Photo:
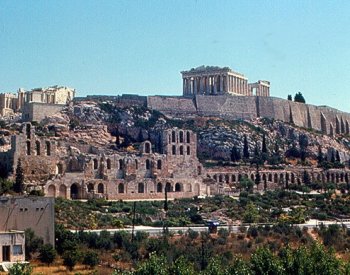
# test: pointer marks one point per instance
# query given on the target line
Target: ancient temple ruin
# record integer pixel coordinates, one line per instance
(212, 80)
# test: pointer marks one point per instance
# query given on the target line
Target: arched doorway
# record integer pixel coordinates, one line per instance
(121, 188)
(74, 191)
(178, 187)
(91, 188)
(100, 188)
(168, 187)
(63, 191)
(159, 187)
(51, 191)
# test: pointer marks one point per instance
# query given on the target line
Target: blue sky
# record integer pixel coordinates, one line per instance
(115, 47)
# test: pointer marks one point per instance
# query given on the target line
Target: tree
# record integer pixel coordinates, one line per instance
(70, 259)
(19, 181)
(235, 154)
(251, 213)
(47, 254)
(20, 269)
(264, 262)
(245, 148)
(91, 258)
(320, 157)
(264, 150)
(32, 244)
(289, 97)
(299, 97)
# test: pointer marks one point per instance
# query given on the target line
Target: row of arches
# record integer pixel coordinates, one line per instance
(77, 191)
(38, 148)
(180, 137)
(181, 150)
(121, 165)
(284, 177)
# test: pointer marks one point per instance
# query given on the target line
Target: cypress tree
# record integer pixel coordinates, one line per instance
(245, 148)
(19, 181)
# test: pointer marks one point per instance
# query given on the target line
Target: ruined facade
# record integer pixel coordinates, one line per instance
(212, 80)
(62, 170)
(8, 104)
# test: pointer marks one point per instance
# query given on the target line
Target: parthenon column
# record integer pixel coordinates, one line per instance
(195, 85)
(221, 84)
(208, 85)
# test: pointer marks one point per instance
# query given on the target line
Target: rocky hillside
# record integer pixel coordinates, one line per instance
(106, 126)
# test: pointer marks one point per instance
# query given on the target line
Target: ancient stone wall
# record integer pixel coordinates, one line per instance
(38, 111)
(325, 119)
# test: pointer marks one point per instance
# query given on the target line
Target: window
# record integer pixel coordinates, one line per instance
(181, 150)
(188, 137)
(100, 188)
(121, 188)
(159, 164)
(109, 164)
(148, 164)
(141, 188)
(95, 164)
(17, 250)
(147, 148)
(173, 136)
(121, 164)
(174, 150)
(181, 137)
(28, 148)
(37, 145)
(48, 148)
(188, 150)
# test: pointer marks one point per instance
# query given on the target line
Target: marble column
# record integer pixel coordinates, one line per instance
(221, 84)
(184, 86)
(195, 86)
(208, 85)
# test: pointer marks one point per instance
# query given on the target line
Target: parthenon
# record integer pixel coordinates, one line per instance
(212, 80)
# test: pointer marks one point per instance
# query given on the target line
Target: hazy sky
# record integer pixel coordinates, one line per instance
(115, 47)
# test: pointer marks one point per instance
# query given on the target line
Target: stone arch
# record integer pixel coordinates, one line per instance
(95, 164)
(109, 164)
(91, 187)
(37, 147)
(51, 191)
(188, 150)
(174, 150)
(181, 150)
(275, 178)
(173, 136)
(159, 187)
(292, 178)
(48, 148)
(181, 136)
(159, 164)
(188, 137)
(121, 188)
(100, 188)
(189, 187)
(178, 187)
(28, 148)
(63, 191)
(270, 177)
(147, 147)
(141, 187)
(75, 191)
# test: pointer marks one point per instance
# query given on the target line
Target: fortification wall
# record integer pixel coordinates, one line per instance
(320, 118)
(172, 105)
(230, 107)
